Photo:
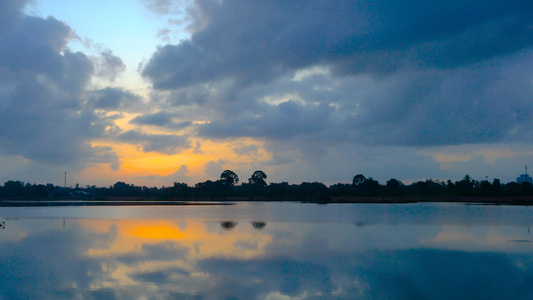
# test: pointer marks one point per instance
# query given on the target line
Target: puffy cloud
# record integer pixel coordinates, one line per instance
(42, 90)
(109, 65)
(213, 169)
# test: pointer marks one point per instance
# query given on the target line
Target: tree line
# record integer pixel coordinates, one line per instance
(256, 188)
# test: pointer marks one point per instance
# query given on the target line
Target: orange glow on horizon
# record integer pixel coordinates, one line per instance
(136, 164)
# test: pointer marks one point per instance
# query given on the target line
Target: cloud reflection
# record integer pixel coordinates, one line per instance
(108, 259)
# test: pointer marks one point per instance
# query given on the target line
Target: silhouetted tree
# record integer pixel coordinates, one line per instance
(496, 185)
(358, 179)
(485, 188)
(465, 186)
(13, 188)
(229, 178)
(393, 184)
(258, 179)
(181, 189)
(527, 188)
(369, 187)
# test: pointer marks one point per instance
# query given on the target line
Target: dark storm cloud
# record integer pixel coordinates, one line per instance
(386, 72)
(162, 143)
(42, 85)
(161, 119)
(256, 41)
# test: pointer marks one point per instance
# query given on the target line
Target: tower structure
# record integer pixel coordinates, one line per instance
(524, 178)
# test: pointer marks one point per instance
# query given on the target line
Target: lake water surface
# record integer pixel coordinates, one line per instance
(267, 251)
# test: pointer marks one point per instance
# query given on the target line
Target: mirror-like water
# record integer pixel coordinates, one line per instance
(268, 251)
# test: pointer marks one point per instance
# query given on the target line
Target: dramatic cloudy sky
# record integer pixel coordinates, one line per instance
(156, 91)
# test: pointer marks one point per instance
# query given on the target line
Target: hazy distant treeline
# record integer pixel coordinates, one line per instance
(257, 188)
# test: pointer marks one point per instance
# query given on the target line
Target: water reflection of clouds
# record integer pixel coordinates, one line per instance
(50, 262)
(182, 259)
(480, 238)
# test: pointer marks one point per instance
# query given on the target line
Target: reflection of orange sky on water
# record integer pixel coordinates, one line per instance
(201, 241)
(158, 232)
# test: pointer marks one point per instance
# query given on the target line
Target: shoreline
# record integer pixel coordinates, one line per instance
(122, 201)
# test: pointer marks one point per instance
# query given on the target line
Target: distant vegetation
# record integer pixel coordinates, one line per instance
(256, 188)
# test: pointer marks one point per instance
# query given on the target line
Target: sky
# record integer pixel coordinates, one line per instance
(152, 92)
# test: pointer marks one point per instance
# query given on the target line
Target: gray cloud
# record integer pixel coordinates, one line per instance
(287, 120)
(353, 37)
(111, 98)
(10, 12)
(164, 7)
(108, 65)
(245, 150)
(103, 154)
(161, 119)
(162, 143)
(410, 74)
(42, 86)
(213, 169)
(485, 103)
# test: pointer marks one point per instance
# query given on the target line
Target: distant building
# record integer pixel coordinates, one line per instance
(524, 178)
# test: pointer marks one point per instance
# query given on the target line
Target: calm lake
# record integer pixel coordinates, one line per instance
(267, 251)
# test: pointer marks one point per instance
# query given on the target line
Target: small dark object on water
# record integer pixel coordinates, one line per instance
(258, 224)
(228, 225)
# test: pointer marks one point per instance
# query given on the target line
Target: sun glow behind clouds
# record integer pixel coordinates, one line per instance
(152, 168)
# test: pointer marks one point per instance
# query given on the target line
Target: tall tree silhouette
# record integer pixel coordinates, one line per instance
(258, 179)
(229, 178)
